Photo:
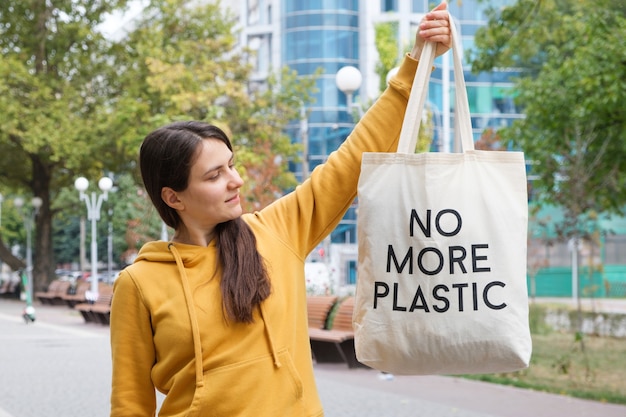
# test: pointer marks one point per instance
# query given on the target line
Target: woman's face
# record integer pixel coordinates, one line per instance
(212, 195)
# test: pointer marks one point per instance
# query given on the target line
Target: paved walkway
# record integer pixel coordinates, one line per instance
(59, 366)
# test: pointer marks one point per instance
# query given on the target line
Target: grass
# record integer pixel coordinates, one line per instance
(560, 365)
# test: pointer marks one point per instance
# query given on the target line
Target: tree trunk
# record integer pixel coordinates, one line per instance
(43, 254)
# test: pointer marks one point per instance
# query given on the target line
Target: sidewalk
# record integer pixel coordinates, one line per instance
(360, 393)
(60, 366)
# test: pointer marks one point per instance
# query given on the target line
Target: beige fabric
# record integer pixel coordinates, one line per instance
(442, 254)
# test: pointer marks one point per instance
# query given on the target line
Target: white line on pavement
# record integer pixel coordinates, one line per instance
(75, 332)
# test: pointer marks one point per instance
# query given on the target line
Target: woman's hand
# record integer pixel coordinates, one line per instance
(434, 27)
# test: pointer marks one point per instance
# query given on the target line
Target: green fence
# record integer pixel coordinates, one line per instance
(557, 282)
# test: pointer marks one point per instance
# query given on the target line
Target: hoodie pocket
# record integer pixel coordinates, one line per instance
(255, 387)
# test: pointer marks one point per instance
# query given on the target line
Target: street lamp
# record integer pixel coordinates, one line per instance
(93, 203)
(348, 79)
(29, 220)
(304, 135)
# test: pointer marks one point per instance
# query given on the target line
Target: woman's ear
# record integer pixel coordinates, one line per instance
(170, 197)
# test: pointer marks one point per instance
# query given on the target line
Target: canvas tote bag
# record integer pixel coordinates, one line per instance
(441, 283)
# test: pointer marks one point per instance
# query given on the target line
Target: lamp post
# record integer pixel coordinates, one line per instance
(110, 245)
(304, 134)
(93, 203)
(29, 220)
(348, 79)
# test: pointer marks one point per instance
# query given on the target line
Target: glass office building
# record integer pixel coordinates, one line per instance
(307, 35)
(323, 34)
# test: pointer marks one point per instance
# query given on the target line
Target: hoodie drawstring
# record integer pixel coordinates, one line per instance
(195, 328)
(268, 333)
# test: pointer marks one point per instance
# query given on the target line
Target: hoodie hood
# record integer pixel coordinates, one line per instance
(159, 251)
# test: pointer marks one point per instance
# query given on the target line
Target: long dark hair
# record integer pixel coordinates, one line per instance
(165, 160)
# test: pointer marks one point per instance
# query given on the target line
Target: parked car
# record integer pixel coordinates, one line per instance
(108, 278)
(68, 275)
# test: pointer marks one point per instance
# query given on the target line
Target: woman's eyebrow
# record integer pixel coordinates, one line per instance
(218, 166)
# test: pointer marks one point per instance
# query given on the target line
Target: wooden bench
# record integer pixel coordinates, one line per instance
(55, 293)
(318, 308)
(78, 297)
(100, 310)
(10, 288)
(336, 344)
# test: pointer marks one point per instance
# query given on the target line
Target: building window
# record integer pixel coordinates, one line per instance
(262, 57)
(302, 5)
(253, 12)
(351, 273)
(389, 6)
(419, 6)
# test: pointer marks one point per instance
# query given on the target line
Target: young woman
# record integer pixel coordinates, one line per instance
(216, 319)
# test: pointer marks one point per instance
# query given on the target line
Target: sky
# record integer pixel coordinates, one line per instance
(113, 23)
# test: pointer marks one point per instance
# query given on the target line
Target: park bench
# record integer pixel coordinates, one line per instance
(57, 289)
(10, 288)
(335, 342)
(318, 309)
(99, 311)
(78, 295)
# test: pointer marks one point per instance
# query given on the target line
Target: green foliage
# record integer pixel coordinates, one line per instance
(73, 103)
(126, 211)
(427, 131)
(537, 320)
(51, 83)
(386, 40)
(183, 62)
(571, 91)
(53, 92)
(559, 366)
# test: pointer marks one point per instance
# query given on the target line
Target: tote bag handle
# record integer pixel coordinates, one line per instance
(419, 93)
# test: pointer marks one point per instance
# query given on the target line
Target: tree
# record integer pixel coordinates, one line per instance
(387, 46)
(52, 85)
(74, 103)
(571, 89)
(386, 39)
(183, 62)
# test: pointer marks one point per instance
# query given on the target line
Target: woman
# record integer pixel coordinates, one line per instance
(216, 318)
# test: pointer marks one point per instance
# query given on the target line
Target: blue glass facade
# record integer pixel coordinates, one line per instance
(327, 34)
(490, 105)
(307, 35)
(323, 34)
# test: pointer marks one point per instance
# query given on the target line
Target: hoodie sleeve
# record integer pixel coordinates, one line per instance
(132, 351)
(306, 216)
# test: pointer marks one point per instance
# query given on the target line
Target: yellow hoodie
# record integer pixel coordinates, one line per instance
(168, 330)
